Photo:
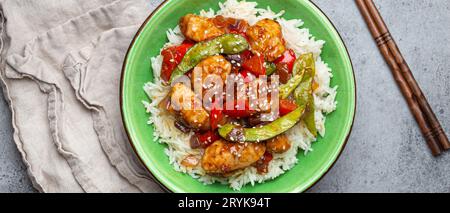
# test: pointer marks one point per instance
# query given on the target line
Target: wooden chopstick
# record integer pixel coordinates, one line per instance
(433, 144)
(436, 128)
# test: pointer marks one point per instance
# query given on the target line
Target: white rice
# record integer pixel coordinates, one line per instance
(297, 38)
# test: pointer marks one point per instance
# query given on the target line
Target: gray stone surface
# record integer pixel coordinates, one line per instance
(13, 175)
(386, 152)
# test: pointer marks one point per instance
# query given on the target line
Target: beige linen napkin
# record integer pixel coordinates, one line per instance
(60, 73)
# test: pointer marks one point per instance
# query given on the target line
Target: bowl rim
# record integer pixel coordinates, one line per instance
(122, 111)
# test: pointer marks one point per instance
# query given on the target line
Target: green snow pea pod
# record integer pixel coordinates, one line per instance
(226, 44)
(236, 133)
(304, 62)
(310, 119)
(304, 96)
(289, 87)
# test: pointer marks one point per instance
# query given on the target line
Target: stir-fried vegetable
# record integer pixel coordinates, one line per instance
(286, 89)
(303, 93)
(226, 44)
(303, 63)
(304, 70)
(271, 68)
(283, 72)
(172, 56)
(236, 133)
(287, 106)
(215, 117)
(255, 64)
(288, 58)
(310, 119)
(247, 76)
(231, 25)
(203, 140)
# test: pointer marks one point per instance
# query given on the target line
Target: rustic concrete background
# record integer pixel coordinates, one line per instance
(386, 152)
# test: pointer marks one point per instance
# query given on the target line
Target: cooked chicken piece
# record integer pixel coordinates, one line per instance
(182, 99)
(223, 157)
(198, 28)
(217, 65)
(266, 38)
(279, 144)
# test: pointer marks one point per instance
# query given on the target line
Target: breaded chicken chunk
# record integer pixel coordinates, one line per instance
(182, 99)
(198, 28)
(266, 38)
(224, 157)
(217, 65)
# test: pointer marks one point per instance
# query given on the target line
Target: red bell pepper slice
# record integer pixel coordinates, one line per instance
(255, 64)
(288, 58)
(287, 106)
(207, 138)
(172, 56)
(246, 75)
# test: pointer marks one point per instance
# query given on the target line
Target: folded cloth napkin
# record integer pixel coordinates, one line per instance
(60, 72)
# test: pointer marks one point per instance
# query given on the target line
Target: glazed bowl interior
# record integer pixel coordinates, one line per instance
(310, 168)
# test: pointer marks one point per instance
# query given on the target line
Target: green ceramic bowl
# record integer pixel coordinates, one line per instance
(137, 71)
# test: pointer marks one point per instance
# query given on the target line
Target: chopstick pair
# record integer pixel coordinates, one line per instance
(429, 125)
